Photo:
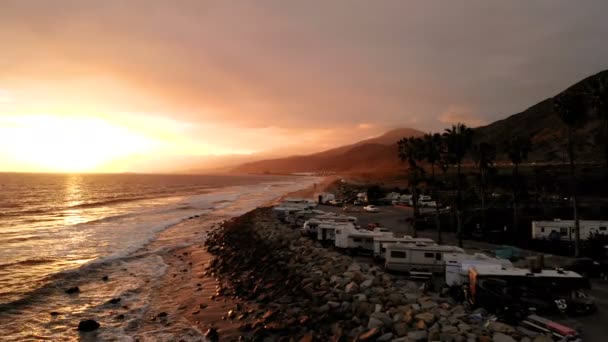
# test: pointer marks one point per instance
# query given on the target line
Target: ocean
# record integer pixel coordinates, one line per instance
(62, 230)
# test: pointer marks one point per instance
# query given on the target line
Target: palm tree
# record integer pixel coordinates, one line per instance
(570, 106)
(599, 103)
(484, 155)
(517, 149)
(433, 153)
(459, 139)
(411, 151)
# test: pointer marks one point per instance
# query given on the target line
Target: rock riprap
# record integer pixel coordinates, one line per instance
(303, 290)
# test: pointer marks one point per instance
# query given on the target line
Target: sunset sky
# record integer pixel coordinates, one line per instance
(133, 85)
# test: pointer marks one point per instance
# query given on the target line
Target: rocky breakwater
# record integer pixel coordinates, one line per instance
(302, 291)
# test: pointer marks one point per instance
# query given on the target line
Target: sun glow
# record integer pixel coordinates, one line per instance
(68, 144)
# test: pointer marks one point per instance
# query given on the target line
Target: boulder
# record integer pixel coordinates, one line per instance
(385, 318)
(427, 317)
(500, 327)
(212, 335)
(351, 287)
(367, 283)
(385, 338)
(369, 335)
(88, 325)
(500, 337)
(374, 323)
(417, 335)
(400, 329)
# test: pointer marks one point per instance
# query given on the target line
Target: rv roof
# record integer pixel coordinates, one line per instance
(481, 270)
(425, 247)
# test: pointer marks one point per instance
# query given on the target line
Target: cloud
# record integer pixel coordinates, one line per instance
(271, 70)
(459, 114)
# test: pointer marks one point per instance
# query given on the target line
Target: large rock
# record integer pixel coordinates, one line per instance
(417, 335)
(500, 337)
(385, 318)
(400, 329)
(351, 287)
(88, 325)
(367, 283)
(500, 327)
(427, 317)
(374, 323)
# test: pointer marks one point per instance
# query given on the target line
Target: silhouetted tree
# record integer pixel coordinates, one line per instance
(411, 151)
(459, 139)
(570, 106)
(433, 154)
(599, 104)
(517, 149)
(484, 155)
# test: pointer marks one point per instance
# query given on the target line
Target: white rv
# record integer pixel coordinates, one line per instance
(326, 231)
(325, 197)
(357, 239)
(381, 242)
(457, 266)
(411, 258)
(558, 230)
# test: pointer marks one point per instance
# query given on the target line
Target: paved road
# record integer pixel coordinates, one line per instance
(594, 326)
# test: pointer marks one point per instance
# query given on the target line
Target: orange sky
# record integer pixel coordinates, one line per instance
(149, 85)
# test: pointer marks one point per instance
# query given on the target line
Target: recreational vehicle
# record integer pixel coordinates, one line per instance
(358, 240)
(325, 197)
(457, 266)
(558, 230)
(326, 231)
(299, 217)
(413, 258)
(516, 290)
(381, 241)
(284, 211)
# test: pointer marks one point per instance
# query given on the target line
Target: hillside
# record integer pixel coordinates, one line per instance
(367, 155)
(547, 132)
(540, 122)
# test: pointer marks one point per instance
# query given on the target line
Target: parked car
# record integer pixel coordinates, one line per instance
(358, 202)
(336, 203)
(371, 208)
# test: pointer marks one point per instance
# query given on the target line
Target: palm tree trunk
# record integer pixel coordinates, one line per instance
(415, 203)
(515, 231)
(577, 233)
(458, 207)
(483, 199)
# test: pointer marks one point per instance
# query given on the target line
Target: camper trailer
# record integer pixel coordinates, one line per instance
(558, 230)
(358, 240)
(284, 211)
(299, 217)
(457, 266)
(326, 231)
(410, 257)
(325, 197)
(381, 241)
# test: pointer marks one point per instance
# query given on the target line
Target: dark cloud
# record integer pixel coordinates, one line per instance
(312, 64)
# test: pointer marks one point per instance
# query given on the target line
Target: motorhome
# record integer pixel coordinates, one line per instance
(326, 231)
(381, 241)
(299, 217)
(414, 258)
(284, 211)
(402, 200)
(457, 266)
(325, 197)
(563, 230)
(518, 289)
(310, 226)
(358, 240)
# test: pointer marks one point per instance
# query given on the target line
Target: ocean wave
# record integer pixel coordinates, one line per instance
(28, 262)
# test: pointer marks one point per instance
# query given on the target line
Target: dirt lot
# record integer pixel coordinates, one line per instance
(593, 327)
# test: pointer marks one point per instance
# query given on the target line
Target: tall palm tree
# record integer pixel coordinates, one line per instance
(517, 149)
(599, 103)
(459, 139)
(570, 106)
(433, 154)
(484, 155)
(411, 151)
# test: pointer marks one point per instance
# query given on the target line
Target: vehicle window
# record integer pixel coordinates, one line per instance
(398, 254)
(542, 230)
(563, 231)
(338, 232)
(603, 228)
(429, 255)
(357, 240)
(438, 256)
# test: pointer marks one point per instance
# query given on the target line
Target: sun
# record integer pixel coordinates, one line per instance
(68, 143)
